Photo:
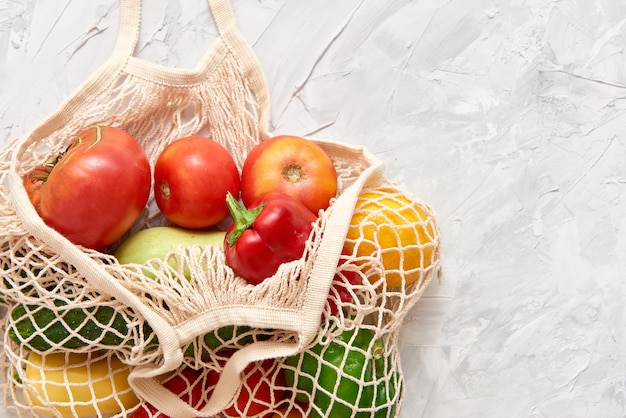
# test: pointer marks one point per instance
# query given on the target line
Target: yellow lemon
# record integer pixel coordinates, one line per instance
(75, 385)
(395, 229)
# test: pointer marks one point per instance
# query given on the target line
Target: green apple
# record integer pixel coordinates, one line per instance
(158, 241)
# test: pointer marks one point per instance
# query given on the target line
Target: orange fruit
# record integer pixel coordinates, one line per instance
(398, 231)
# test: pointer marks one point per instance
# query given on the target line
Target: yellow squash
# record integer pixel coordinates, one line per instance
(74, 385)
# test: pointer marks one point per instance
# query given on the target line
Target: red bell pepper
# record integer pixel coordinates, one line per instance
(343, 281)
(261, 389)
(274, 232)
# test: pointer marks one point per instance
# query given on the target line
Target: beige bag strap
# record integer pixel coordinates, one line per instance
(126, 42)
(128, 31)
(226, 22)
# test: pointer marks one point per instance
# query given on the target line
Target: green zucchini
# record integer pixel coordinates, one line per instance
(40, 328)
(222, 338)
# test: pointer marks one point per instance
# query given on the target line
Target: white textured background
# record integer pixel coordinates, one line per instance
(508, 117)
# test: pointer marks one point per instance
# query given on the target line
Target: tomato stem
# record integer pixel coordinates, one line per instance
(54, 160)
(165, 190)
(48, 166)
(293, 173)
(243, 218)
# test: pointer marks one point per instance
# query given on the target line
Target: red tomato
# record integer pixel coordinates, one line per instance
(187, 384)
(257, 395)
(191, 179)
(255, 398)
(291, 165)
(96, 190)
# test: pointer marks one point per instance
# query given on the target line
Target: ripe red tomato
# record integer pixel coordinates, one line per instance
(292, 165)
(255, 398)
(257, 395)
(95, 190)
(191, 179)
(187, 384)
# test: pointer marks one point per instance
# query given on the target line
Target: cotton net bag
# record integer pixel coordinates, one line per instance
(146, 323)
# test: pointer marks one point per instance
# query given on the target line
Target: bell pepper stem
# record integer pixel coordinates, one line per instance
(243, 218)
(378, 353)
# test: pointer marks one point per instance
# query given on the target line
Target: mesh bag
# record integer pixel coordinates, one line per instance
(71, 310)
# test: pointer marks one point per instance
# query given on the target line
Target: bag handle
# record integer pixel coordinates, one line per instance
(126, 42)
(130, 24)
(128, 30)
(226, 23)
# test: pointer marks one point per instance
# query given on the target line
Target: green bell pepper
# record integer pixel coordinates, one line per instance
(341, 377)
